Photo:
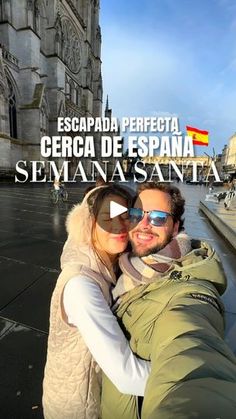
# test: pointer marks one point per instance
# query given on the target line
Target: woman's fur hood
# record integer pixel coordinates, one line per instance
(79, 229)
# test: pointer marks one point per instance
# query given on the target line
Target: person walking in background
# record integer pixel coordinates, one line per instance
(56, 184)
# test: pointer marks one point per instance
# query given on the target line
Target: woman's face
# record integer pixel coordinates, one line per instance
(111, 234)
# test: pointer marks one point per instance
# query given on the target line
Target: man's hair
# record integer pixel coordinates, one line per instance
(177, 200)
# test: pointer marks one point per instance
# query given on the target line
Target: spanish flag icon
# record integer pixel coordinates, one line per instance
(199, 137)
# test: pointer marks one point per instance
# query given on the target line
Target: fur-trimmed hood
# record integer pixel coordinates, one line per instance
(79, 221)
(78, 227)
(78, 250)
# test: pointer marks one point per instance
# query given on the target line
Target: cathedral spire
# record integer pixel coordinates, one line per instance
(107, 105)
(108, 111)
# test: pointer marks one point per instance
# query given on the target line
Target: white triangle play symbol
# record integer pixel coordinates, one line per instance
(116, 209)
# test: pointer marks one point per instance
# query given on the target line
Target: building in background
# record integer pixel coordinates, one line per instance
(229, 157)
(224, 156)
(50, 66)
(184, 164)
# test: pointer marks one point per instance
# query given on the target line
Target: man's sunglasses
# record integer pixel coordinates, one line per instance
(155, 217)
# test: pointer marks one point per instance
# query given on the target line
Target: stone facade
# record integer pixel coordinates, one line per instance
(50, 66)
(230, 158)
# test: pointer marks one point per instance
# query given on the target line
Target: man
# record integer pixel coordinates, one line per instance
(146, 238)
(169, 305)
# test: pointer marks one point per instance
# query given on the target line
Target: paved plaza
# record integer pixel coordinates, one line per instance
(32, 236)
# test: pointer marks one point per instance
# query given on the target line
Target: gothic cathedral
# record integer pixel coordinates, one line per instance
(50, 66)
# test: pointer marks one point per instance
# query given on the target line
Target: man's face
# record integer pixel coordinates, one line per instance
(145, 237)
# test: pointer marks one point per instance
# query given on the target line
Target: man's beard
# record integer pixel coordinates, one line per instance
(150, 250)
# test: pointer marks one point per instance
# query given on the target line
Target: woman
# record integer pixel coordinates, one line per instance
(83, 330)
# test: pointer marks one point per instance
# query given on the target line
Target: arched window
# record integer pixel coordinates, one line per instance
(89, 74)
(1, 10)
(72, 91)
(12, 110)
(5, 10)
(67, 89)
(77, 98)
(62, 110)
(99, 92)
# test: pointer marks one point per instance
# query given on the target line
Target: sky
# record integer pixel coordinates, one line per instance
(172, 58)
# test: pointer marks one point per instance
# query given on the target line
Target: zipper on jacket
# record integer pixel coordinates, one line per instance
(139, 403)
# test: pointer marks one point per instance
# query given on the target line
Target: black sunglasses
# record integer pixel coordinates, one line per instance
(155, 217)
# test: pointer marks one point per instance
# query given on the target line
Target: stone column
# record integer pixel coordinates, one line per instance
(30, 13)
(37, 17)
(6, 10)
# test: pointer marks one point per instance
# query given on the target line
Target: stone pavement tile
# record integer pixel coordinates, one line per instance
(26, 225)
(227, 215)
(31, 308)
(35, 215)
(22, 360)
(15, 277)
(17, 226)
(54, 231)
(29, 214)
(230, 330)
(30, 205)
(49, 231)
(52, 228)
(34, 251)
(221, 222)
(7, 237)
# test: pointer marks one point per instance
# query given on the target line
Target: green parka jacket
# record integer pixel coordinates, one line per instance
(177, 323)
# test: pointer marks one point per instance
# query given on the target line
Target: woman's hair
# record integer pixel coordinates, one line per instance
(96, 197)
(81, 220)
(94, 202)
(99, 182)
(87, 190)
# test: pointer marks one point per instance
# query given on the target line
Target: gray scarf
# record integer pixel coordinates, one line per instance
(144, 270)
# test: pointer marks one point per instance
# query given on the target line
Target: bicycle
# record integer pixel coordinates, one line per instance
(59, 194)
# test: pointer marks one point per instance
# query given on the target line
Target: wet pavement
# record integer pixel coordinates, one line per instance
(198, 226)
(32, 236)
(224, 219)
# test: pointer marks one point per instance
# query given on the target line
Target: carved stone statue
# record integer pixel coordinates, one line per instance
(71, 47)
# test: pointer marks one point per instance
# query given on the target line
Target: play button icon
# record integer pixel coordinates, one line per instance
(116, 209)
(109, 204)
(110, 208)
